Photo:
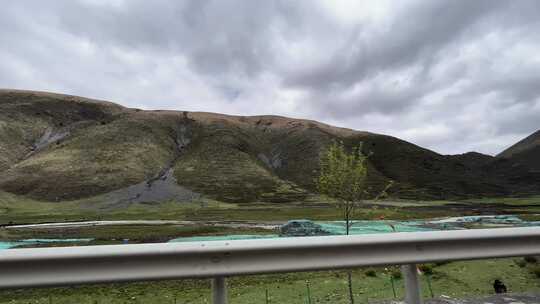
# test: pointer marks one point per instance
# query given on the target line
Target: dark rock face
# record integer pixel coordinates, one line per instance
(301, 228)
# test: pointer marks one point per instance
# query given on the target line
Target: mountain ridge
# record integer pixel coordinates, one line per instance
(58, 147)
(525, 152)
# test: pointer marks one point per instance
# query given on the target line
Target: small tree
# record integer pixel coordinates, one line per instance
(343, 176)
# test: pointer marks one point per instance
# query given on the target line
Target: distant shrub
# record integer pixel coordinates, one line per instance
(531, 259)
(426, 269)
(521, 263)
(396, 274)
(440, 263)
(536, 271)
(370, 273)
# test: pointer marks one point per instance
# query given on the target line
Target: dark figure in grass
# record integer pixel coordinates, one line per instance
(499, 286)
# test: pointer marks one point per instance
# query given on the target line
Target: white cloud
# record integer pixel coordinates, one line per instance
(452, 76)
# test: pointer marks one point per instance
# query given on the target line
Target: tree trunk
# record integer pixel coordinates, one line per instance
(347, 224)
(351, 295)
(349, 274)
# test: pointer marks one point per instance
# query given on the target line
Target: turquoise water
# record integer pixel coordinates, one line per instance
(382, 226)
(450, 223)
(338, 228)
(331, 228)
(370, 227)
(7, 245)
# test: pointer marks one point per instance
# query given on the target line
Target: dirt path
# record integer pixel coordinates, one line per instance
(269, 225)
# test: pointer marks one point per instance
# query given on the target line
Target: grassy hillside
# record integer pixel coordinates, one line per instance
(59, 148)
(526, 152)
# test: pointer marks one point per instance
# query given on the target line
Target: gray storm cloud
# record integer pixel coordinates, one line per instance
(453, 76)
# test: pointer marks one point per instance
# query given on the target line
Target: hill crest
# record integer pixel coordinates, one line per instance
(526, 152)
(59, 147)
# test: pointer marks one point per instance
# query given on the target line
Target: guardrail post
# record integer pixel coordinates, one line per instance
(412, 285)
(219, 290)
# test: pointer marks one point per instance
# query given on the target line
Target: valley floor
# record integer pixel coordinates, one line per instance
(16, 210)
(143, 223)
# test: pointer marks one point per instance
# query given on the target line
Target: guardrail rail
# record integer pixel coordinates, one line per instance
(63, 266)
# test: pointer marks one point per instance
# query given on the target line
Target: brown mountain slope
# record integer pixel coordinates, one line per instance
(57, 147)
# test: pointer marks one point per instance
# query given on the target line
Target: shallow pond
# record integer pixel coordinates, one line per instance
(12, 244)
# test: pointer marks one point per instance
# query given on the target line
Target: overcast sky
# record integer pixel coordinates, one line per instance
(453, 76)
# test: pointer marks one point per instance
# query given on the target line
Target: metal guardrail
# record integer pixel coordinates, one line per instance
(39, 267)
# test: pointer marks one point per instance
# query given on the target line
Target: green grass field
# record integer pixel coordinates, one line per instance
(456, 279)
(20, 210)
